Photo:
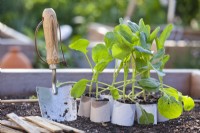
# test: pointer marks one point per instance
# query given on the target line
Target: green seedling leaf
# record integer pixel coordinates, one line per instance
(154, 34)
(149, 30)
(156, 67)
(188, 103)
(143, 40)
(149, 84)
(146, 118)
(163, 37)
(142, 50)
(114, 92)
(171, 92)
(164, 61)
(121, 20)
(180, 96)
(166, 33)
(80, 45)
(120, 53)
(100, 66)
(128, 38)
(133, 26)
(110, 39)
(158, 56)
(141, 64)
(169, 107)
(144, 28)
(100, 53)
(157, 62)
(79, 88)
(125, 32)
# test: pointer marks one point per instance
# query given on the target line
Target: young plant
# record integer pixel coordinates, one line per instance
(100, 56)
(131, 45)
(122, 43)
(170, 104)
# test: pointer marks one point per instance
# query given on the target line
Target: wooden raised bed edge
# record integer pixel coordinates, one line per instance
(22, 82)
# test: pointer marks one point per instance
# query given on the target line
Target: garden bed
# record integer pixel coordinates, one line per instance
(188, 122)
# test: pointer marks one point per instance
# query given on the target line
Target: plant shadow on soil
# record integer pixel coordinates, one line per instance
(188, 122)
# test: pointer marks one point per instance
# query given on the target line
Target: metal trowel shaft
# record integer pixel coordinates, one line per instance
(54, 89)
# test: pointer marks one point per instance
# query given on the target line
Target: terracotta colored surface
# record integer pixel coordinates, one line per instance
(14, 58)
(195, 84)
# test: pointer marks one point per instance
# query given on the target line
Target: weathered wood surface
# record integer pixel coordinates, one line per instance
(50, 26)
(33, 124)
(41, 129)
(4, 129)
(19, 101)
(23, 82)
(39, 121)
(195, 84)
(10, 124)
(64, 127)
(27, 127)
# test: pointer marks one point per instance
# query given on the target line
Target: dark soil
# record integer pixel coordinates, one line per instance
(189, 122)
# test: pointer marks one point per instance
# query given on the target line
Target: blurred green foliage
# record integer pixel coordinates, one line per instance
(188, 10)
(24, 15)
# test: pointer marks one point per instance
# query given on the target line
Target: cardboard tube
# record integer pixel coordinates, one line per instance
(161, 118)
(123, 114)
(85, 106)
(100, 111)
(150, 108)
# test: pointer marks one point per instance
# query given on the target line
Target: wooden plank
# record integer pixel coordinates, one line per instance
(195, 85)
(64, 127)
(14, 125)
(19, 101)
(10, 124)
(37, 120)
(4, 129)
(27, 127)
(35, 77)
(42, 130)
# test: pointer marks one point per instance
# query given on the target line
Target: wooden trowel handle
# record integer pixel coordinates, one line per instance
(50, 26)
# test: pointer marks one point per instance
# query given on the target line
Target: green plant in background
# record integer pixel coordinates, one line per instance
(24, 15)
(188, 10)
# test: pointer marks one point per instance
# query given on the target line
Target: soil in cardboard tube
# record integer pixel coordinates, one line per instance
(189, 122)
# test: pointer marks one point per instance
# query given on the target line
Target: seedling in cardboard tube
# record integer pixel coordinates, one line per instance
(131, 44)
(100, 56)
(170, 103)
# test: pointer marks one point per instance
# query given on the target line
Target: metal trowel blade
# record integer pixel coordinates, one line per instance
(59, 107)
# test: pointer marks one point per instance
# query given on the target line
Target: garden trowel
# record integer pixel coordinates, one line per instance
(55, 103)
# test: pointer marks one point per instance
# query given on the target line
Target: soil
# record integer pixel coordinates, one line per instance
(189, 122)
(150, 99)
